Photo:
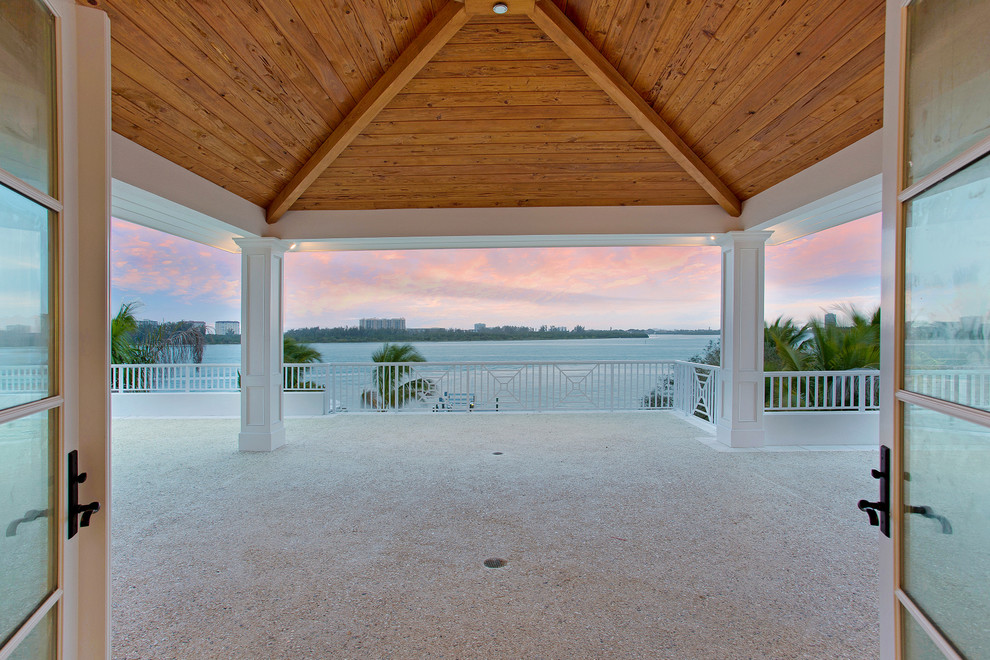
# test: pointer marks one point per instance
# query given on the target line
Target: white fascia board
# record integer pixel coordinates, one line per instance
(843, 187)
(528, 241)
(503, 227)
(144, 170)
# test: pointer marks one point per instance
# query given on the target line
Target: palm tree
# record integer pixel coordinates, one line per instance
(122, 326)
(295, 352)
(833, 348)
(392, 386)
(783, 346)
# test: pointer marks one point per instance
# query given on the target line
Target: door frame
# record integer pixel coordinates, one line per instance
(83, 52)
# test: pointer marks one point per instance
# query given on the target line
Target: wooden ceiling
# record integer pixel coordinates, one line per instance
(335, 104)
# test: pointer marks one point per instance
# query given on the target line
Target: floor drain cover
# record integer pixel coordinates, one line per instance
(495, 563)
(497, 453)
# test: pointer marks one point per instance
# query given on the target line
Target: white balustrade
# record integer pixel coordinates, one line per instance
(790, 391)
(532, 386)
(500, 386)
(174, 378)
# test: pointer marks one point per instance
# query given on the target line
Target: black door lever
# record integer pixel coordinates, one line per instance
(879, 512)
(87, 510)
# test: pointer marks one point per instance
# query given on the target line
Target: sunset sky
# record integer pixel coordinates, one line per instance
(631, 287)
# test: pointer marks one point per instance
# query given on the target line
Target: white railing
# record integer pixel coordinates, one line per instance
(23, 378)
(174, 377)
(500, 386)
(695, 389)
(791, 391)
(535, 386)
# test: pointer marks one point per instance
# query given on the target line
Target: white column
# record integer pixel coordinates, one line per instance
(262, 426)
(740, 397)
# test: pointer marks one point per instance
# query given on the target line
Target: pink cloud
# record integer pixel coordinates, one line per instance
(596, 287)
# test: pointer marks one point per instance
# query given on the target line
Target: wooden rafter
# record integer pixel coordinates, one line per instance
(573, 42)
(445, 24)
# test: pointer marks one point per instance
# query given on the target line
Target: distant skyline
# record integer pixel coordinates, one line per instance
(622, 287)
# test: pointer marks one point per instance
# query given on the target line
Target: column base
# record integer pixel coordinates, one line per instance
(740, 437)
(261, 440)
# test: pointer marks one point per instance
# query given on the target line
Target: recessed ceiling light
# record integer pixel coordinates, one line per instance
(500, 8)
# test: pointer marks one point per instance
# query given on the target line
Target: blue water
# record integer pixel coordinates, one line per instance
(660, 347)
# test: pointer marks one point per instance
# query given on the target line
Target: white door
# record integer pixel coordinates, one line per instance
(938, 204)
(47, 100)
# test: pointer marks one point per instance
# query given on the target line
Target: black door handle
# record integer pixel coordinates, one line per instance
(87, 510)
(879, 512)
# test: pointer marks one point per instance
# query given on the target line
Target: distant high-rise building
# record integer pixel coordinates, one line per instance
(147, 323)
(478, 327)
(382, 324)
(830, 320)
(198, 325)
(227, 327)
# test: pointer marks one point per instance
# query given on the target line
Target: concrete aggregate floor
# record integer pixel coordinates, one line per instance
(364, 537)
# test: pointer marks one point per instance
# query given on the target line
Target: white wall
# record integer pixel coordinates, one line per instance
(205, 404)
(821, 428)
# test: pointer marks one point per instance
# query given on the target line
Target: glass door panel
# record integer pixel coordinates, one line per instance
(917, 644)
(30, 440)
(947, 289)
(27, 83)
(26, 353)
(40, 642)
(948, 82)
(28, 517)
(946, 532)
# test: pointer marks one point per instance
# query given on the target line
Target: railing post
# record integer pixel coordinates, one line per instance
(862, 392)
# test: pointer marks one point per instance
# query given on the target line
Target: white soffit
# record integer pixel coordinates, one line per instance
(843, 187)
(855, 202)
(144, 208)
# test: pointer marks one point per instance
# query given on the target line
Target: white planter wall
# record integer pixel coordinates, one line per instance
(822, 428)
(205, 404)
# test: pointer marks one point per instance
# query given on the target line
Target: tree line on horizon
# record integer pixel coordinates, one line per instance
(319, 335)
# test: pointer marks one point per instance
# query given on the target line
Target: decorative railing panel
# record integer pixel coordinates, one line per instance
(695, 389)
(501, 386)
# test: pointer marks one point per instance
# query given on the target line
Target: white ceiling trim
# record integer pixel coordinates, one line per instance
(144, 208)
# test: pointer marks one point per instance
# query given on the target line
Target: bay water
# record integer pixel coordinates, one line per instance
(656, 347)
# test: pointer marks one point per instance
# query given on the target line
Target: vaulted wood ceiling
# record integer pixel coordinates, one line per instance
(414, 103)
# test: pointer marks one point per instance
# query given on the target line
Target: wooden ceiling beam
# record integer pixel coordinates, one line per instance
(572, 41)
(444, 25)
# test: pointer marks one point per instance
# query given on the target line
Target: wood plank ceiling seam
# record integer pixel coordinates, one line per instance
(420, 51)
(589, 60)
(242, 92)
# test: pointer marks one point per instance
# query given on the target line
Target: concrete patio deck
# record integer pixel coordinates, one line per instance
(364, 537)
